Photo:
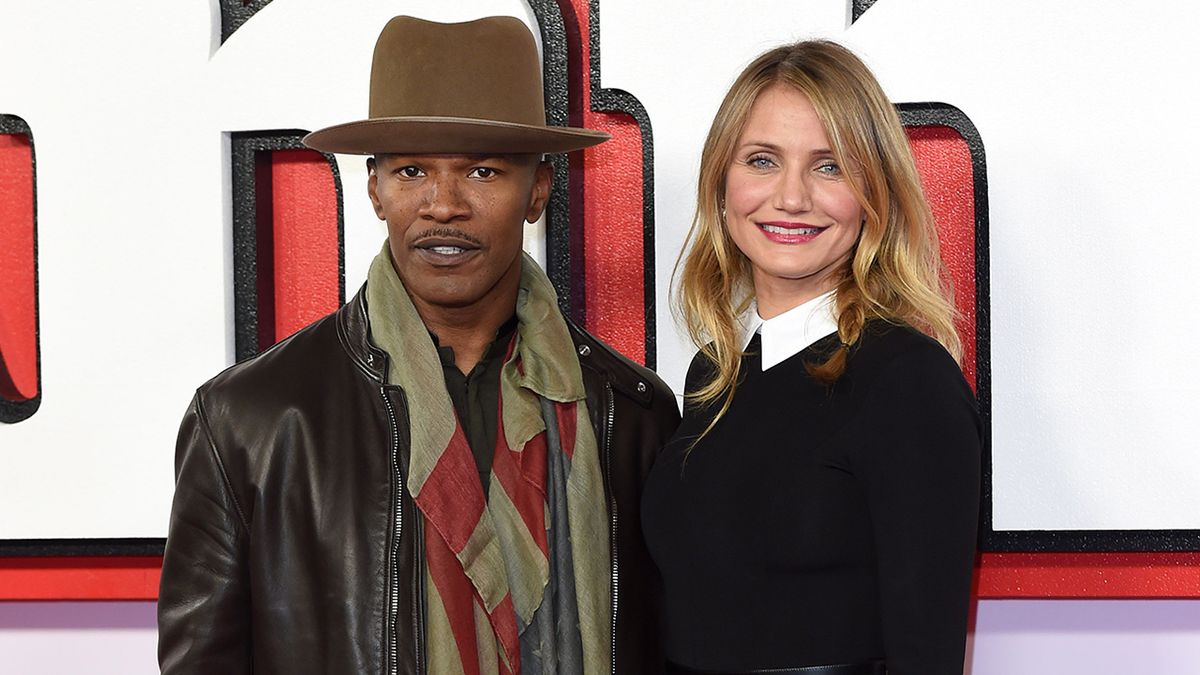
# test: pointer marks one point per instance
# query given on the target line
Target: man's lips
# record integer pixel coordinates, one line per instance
(784, 232)
(445, 250)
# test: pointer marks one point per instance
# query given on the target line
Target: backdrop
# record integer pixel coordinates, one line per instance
(146, 144)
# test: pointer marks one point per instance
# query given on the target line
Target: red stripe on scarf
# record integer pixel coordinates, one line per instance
(458, 597)
(530, 503)
(508, 352)
(452, 497)
(567, 419)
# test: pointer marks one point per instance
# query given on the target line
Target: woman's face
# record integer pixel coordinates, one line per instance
(789, 206)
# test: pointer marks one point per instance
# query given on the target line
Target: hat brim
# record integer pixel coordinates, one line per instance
(420, 135)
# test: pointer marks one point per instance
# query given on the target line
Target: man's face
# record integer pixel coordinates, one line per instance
(455, 223)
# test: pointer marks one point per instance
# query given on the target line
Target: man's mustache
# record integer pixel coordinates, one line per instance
(448, 233)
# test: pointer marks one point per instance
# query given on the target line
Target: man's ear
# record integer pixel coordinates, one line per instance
(373, 187)
(539, 195)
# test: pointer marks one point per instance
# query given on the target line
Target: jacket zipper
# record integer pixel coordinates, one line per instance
(612, 509)
(397, 528)
(419, 595)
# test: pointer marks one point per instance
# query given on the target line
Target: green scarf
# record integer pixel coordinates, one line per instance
(504, 570)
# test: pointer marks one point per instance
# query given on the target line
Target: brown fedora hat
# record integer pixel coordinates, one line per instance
(472, 87)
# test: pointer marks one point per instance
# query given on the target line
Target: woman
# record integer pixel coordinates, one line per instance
(818, 505)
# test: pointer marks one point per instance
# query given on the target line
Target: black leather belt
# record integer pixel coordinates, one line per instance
(868, 668)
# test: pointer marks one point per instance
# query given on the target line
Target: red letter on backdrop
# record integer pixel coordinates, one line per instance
(287, 237)
(20, 372)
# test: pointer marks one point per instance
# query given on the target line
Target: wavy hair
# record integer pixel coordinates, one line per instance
(895, 273)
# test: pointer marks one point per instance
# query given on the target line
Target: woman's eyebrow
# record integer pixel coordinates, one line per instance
(776, 148)
(760, 144)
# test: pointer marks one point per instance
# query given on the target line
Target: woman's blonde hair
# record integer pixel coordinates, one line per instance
(895, 273)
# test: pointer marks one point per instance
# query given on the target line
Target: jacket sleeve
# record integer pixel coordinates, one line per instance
(204, 594)
(920, 463)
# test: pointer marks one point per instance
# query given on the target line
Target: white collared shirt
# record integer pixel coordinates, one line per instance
(788, 334)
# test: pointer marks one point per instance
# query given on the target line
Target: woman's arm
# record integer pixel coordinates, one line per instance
(920, 462)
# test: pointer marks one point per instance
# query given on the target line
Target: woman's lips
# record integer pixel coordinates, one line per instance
(790, 233)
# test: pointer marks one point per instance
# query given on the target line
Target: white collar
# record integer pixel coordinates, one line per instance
(788, 334)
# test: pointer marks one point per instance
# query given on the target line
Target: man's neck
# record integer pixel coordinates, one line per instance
(468, 330)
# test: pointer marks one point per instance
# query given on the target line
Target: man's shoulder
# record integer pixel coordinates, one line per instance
(626, 376)
(303, 360)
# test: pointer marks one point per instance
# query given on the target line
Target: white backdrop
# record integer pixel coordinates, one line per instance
(1084, 109)
(1078, 104)
(129, 103)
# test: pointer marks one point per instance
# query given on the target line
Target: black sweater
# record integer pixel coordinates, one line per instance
(818, 525)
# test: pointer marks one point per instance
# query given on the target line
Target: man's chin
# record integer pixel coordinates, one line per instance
(447, 296)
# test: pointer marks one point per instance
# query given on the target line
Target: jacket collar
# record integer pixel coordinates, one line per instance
(353, 331)
(599, 362)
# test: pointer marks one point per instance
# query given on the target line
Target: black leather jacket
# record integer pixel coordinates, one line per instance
(294, 546)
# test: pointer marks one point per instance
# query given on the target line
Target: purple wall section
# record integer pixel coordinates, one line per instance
(1012, 637)
(1092, 637)
(61, 638)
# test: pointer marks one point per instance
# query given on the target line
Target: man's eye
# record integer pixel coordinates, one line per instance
(410, 172)
(482, 172)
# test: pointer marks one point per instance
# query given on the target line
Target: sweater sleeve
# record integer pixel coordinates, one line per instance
(920, 463)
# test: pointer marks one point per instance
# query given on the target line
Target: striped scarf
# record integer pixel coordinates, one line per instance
(517, 580)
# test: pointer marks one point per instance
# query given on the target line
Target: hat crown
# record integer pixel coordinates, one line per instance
(471, 87)
(487, 69)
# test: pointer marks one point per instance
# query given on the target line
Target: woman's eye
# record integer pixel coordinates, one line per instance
(760, 162)
(482, 172)
(830, 168)
(409, 171)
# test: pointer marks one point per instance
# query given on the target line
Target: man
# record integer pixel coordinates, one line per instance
(444, 475)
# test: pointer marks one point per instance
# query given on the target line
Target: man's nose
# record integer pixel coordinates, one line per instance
(444, 199)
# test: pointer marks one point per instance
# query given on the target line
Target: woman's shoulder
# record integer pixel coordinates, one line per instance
(903, 357)
(903, 384)
(700, 372)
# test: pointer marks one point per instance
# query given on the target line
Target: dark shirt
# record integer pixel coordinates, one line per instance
(476, 396)
(817, 525)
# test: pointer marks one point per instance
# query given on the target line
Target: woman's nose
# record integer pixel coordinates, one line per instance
(792, 193)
